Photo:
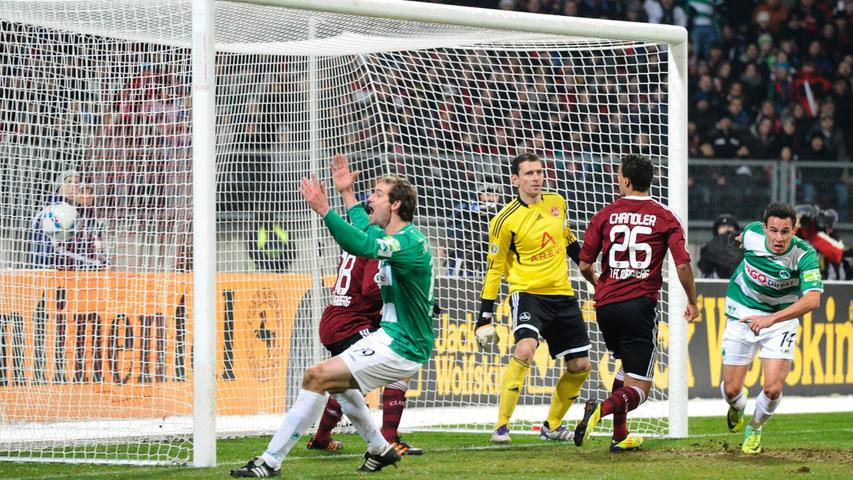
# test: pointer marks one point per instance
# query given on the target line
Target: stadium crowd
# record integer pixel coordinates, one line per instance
(769, 80)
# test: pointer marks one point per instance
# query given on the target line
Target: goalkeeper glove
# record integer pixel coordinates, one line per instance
(485, 329)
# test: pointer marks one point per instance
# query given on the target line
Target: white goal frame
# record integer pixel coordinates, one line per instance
(204, 445)
(91, 437)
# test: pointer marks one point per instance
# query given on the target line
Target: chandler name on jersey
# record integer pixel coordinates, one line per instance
(528, 244)
(633, 235)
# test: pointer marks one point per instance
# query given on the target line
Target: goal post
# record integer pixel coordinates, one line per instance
(204, 228)
(185, 307)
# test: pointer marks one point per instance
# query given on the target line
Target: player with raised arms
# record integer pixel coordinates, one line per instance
(405, 339)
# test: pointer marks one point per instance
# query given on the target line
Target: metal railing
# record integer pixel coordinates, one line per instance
(744, 187)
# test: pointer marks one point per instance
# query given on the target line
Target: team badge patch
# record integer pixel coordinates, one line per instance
(784, 274)
(524, 317)
(494, 248)
(811, 275)
(387, 246)
(555, 211)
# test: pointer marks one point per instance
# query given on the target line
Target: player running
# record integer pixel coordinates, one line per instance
(777, 282)
(633, 234)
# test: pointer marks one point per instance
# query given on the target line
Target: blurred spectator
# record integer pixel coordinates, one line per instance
(808, 85)
(772, 12)
(780, 88)
(469, 228)
(764, 143)
(269, 245)
(702, 115)
(832, 137)
(721, 255)
(738, 116)
(703, 23)
(789, 138)
(665, 12)
(727, 143)
(85, 247)
(753, 82)
(506, 4)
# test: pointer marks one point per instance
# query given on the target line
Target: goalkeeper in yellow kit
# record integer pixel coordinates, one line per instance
(529, 240)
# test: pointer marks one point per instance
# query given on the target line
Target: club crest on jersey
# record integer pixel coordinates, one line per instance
(383, 276)
(524, 317)
(494, 248)
(784, 274)
(555, 211)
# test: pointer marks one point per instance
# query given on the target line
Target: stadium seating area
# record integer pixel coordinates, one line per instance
(769, 80)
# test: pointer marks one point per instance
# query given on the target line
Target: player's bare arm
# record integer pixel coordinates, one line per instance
(314, 192)
(344, 179)
(807, 303)
(588, 271)
(685, 276)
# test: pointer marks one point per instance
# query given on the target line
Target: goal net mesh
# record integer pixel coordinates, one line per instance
(96, 314)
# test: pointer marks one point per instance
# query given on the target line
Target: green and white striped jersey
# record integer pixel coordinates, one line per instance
(765, 282)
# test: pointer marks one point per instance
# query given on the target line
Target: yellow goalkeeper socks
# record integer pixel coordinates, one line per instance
(511, 383)
(565, 392)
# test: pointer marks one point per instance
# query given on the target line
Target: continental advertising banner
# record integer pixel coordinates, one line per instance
(118, 345)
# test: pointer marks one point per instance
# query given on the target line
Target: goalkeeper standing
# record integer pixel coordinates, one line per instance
(529, 240)
(405, 338)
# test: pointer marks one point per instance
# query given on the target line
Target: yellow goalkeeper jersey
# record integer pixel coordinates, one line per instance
(527, 243)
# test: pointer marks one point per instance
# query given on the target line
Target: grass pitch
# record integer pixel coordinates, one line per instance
(796, 446)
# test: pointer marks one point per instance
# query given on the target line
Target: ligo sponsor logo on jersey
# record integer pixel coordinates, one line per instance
(762, 278)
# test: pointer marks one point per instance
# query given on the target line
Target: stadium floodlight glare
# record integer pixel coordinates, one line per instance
(193, 121)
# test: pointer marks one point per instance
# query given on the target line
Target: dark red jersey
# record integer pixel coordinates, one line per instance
(356, 303)
(632, 234)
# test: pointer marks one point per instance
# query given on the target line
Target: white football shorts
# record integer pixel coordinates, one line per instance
(373, 364)
(740, 344)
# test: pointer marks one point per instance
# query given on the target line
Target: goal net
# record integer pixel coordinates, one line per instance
(96, 286)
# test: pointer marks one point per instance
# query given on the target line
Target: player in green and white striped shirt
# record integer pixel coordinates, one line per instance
(777, 282)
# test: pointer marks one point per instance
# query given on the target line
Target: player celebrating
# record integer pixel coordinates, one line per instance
(632, 234)
(403, 342)
(528, 241)
(353, 313)
(777, 281)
